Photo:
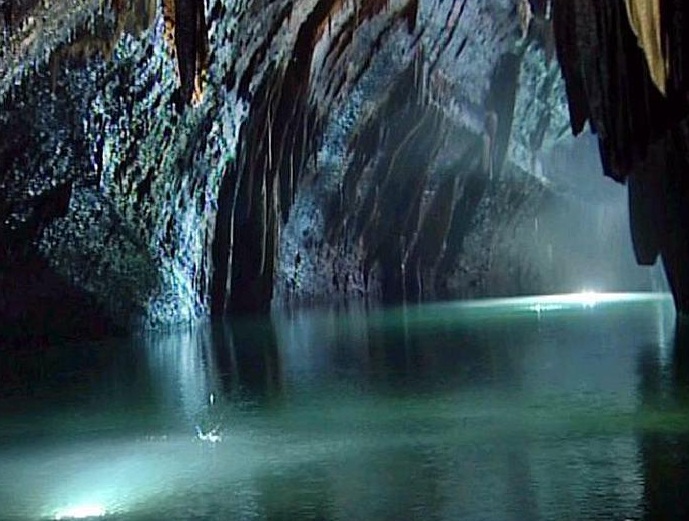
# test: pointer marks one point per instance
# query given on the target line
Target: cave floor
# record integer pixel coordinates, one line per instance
(560, 408)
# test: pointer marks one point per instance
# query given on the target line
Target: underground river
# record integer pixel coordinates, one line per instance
(571, 407)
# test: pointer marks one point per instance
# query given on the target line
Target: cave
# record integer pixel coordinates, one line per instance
(379, 250)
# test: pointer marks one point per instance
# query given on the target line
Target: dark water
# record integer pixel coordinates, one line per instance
(504, 410)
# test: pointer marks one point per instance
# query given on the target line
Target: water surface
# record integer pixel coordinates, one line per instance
(524, 409)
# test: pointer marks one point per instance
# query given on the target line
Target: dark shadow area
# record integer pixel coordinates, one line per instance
(39, 308)
(246, 356)
(665, 448)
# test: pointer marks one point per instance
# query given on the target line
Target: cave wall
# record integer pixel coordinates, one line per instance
(407, 201)
(204, 158)
(129, 173)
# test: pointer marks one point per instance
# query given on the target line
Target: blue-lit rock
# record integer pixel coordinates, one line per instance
(300, 172)
(145, 177)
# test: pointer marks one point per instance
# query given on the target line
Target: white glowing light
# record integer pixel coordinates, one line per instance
(544, 303)
(81, 512)
(588, 298)
(585, 299)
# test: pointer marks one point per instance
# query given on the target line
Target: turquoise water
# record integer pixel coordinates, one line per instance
(570, 407)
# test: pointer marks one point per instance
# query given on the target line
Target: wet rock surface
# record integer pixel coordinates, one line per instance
(313, 150)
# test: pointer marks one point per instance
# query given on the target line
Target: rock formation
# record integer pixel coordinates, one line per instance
(211, 157)
(625, 70)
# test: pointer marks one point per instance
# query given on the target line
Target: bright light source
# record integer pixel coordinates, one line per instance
(588, 298)
(81, 512)
(584, 299)
(545, 303)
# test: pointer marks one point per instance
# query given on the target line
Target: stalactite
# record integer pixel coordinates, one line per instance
(410, 13)
(263, 224)
(489, 135)
(608, 82)
(525, 16)
(279, 141)
(675, 20)
(644, 17)
(501, 101)
(191, 45)
(434, 228)
(471, 190)
(269, 124)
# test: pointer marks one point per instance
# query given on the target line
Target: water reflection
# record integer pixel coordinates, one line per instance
(434, 412)
(247, 359)
(409, 349)
(183, 368)
(664, 387)
(202, 373)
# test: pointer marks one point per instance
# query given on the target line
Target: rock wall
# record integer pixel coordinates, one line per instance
(192, 159)
(109, 176)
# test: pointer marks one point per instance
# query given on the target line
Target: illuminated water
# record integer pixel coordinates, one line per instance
(556, 409)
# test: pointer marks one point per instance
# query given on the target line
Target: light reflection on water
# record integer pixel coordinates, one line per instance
(494, 410)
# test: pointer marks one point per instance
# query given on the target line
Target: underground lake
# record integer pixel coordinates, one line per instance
(562, 407)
